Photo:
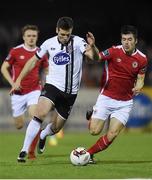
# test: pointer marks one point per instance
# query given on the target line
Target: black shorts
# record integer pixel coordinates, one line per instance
(63, 102)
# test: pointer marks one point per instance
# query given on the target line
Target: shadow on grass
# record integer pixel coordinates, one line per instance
(44, 156)
(123, 162)
(56, 159)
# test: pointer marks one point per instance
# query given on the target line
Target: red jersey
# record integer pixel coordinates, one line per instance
(120, 72)
(17, 58)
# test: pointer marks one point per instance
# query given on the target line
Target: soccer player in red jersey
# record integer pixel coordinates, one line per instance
(25, 98)
(123, 78)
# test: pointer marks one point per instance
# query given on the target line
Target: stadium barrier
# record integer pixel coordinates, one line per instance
(85, 100)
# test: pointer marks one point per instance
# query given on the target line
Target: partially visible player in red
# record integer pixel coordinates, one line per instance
(25, 98)
(123, 77)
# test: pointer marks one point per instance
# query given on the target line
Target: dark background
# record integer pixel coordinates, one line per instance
(102, 18)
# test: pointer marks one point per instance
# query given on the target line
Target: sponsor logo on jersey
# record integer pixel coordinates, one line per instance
(106, 53)
(135, 64)
(61, 58)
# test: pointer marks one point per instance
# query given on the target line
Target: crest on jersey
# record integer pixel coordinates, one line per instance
(61, 58)
(135, 64)
(22, 57)
(118, 60)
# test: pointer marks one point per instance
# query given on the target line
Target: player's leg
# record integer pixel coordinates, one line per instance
(119, 117)
(96, 127)
(32, 100)
(88, 116)
(104, 141)
(43, 107)
(47, 131)
(31, 153)
(53, 139)
(19, 121)
(115, 127)
(63, 108)
(60, 134)
(51, 129)
(98, 118)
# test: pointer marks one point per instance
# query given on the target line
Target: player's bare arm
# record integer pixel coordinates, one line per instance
(27, 68)
(43, 76)
(92, 51)
(5, 71)
(139, 83)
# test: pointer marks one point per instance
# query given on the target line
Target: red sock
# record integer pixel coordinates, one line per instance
(33, 145)
(100, 145)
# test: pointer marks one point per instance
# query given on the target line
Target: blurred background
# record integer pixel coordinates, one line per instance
(104, 21)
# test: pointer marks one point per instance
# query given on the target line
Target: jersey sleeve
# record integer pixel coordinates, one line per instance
(107, 54)
(82, 45)
(41, 51)
(11, 57)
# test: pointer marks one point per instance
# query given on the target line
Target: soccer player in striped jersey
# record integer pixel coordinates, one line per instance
(66, 53)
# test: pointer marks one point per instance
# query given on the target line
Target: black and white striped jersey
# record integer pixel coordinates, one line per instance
(65, 62)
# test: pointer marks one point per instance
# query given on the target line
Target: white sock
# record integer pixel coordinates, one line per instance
(47, 131)
(31, 132)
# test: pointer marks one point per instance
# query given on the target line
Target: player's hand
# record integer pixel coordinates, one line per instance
(15, 87)
(90, 39)
(136, 91)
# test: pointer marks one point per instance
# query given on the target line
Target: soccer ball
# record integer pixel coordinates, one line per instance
(79, 156)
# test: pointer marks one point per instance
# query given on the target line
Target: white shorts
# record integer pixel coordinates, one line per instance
(107, 107)
(20, 103)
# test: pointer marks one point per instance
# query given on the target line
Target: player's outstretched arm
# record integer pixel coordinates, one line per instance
(92, 51)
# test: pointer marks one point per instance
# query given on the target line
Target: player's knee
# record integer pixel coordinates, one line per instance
(19, 122)
(94, 131)
(19, 125)
(42, 114)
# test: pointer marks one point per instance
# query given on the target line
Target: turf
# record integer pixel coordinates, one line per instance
(130, 156)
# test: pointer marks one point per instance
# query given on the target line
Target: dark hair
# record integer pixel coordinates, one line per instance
(65, 23)
(29, 27)
(129, 29)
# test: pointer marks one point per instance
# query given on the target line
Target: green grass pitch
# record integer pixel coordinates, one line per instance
(130, 156)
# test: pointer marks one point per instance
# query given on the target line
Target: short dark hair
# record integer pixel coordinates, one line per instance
(129, 29)
(65, 23)
(29, 27)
